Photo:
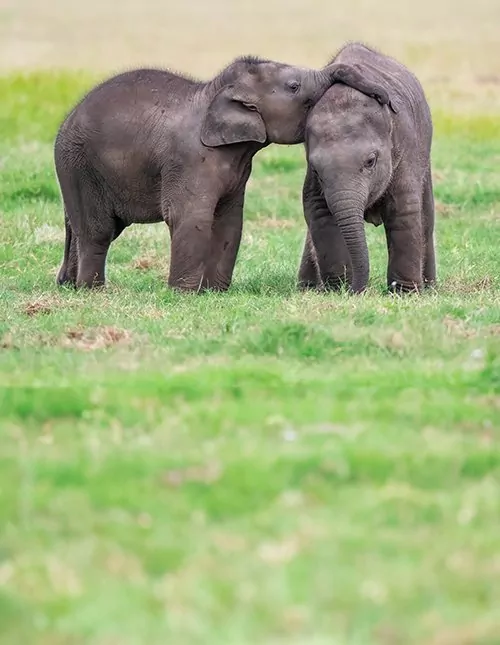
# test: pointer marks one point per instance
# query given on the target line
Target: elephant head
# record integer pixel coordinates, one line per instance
(349, 148)
(268, 102)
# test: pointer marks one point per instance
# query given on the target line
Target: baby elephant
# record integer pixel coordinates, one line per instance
(369, 162)
(150, 146)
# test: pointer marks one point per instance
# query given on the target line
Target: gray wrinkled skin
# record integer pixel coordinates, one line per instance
(369, 162)
(150, 146)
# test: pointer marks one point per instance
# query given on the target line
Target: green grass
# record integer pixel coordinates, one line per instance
(262, 466)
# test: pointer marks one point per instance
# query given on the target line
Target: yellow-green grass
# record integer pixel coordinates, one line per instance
(262, 466)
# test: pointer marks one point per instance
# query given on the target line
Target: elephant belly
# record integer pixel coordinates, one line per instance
(143, 208)
(137, 197)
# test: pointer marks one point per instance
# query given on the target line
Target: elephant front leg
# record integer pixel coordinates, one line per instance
(405, 243)
(226, 238)
(309, 277)
(190, 250)
(331, 254)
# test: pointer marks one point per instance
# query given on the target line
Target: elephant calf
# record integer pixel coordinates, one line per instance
(149, 146)
(368, 162)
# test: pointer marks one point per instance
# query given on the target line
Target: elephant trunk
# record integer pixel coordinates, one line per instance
(355, 78)
(348, 213)
(322, 80)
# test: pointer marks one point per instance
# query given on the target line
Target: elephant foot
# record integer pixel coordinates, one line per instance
(201, 286)
(335, 282)
(401, 288)
(64, 279)
(309, 285)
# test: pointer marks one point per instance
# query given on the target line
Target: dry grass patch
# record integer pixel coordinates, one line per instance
(458, 328)
(460, 286)
(96, 338)
(7, 342)
(41, 305)
(396, 341)
(201, 474)
(145, 264)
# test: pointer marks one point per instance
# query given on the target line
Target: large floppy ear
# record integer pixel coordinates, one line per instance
(232, 119)
(341, 73)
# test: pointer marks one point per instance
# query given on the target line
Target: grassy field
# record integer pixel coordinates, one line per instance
(263, 466)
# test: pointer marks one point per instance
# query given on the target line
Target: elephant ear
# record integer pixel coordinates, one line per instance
(341, 73)
(231, 118)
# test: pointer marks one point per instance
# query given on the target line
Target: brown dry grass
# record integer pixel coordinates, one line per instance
(95, 338)
(452, 45)
(144, 264)
(41, 305)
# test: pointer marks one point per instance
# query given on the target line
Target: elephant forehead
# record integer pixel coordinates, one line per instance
(341, 98)
(276, 73)
(331, 121)
(346, 118)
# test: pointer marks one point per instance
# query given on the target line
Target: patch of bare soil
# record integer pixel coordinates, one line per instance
(7, 341)
(96, 338)
(40, 306)
(456, 327)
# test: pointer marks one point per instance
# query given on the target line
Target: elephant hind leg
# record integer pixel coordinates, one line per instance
(428, 226)
(93, 249)
(91, 226)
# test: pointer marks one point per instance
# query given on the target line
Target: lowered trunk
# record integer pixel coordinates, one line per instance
(348, 213)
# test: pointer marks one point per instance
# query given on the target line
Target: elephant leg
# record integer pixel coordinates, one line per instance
(331, 252)
(309, 277)
(226, 238)
(69, 268)
(403, 227)
(91, 263)
(428, 222)
(91, 226)
(92, 254)
(191, 242)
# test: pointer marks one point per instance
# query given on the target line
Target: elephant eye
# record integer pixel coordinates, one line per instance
(371, 161)
(293, 86)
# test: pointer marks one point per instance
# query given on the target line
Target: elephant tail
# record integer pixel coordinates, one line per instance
(67, 272)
